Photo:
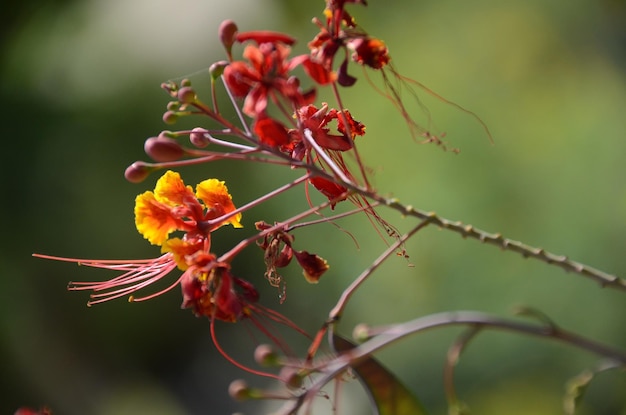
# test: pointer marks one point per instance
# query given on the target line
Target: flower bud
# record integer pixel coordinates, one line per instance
(200, 137)
(170, 117)
(186, 95)
(226, 32)
(137, 172)
(265, 355)
(217, 69)
(166, 134)
(163, 149)
(291, 377)
(173, 106)
(239, 390)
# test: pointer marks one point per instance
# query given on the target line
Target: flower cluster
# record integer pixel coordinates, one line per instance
(281, 123)
(309, 136)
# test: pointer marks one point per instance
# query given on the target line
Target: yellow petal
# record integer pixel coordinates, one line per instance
(181, 249)
(171, 189)
(214, 194)
(153, 219)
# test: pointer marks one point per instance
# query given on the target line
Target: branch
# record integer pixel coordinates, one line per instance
(527, 251)
(477, 320)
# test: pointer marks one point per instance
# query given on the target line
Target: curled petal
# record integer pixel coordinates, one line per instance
(344, 78)
(356, 127)
(214, 194)
(331, 190)
(313, 266)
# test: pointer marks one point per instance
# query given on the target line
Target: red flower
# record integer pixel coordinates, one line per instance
(342, 32)
(266, 77)
(210, 291)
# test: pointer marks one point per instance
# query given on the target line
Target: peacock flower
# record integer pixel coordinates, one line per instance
(172, 206)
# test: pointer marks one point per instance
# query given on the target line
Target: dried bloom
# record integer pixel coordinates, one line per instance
(279, 252)
(369, 52)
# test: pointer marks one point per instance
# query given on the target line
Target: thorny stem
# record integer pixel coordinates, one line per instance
(468, 231)
(331, 369)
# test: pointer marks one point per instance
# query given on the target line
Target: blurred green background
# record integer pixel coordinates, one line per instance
(80, 93)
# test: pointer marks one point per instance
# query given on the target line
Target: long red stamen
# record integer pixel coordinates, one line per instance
(233, 361)
(139, 274)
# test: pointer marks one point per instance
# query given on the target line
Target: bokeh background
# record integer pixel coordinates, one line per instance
(80, 93)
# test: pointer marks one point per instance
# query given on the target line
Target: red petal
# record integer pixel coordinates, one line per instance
(329, 189)
(313, 266)
(265, 36)
(271, 132)
(318, 72)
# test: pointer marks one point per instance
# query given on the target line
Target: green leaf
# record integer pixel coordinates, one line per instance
(386, 392)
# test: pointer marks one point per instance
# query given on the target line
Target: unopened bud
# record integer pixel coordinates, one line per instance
(200, 137)
(163, 149)
(166, 134)
(137, 172)
(217, 69)
(290, 377)
(186, 95)
(226, 32)
(265, 355)
(239, 390)
(170, 117)
(170, 87)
